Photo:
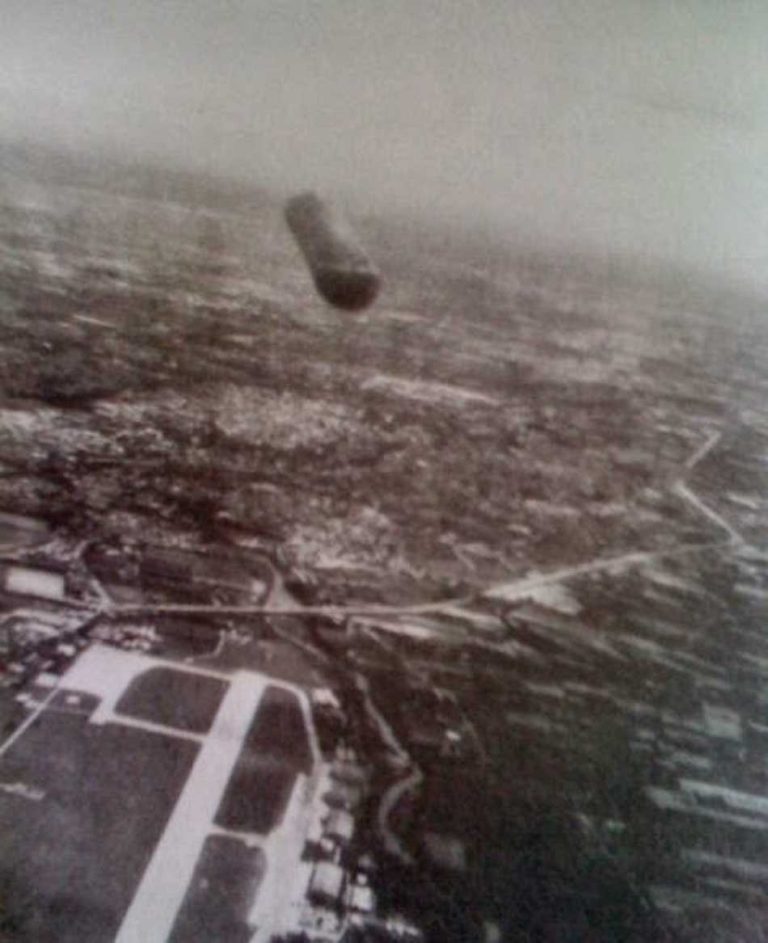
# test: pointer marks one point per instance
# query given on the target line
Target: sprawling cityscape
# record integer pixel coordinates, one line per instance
(438, 622)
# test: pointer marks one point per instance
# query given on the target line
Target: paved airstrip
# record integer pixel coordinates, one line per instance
(136, 779)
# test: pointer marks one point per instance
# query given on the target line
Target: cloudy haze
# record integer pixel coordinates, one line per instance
(632, 125)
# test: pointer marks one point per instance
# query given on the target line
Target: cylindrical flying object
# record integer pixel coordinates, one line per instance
(341, 269)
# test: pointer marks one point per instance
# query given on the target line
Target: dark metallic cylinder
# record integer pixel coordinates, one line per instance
(341, 269)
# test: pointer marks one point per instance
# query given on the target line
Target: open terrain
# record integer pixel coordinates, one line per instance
(531, 489)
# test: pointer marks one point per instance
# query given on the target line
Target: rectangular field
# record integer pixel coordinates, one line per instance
(70, 860)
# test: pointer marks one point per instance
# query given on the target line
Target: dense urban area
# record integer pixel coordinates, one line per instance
(444, 621)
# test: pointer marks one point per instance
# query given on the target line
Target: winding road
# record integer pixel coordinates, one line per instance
(279, 602)
(508, 591)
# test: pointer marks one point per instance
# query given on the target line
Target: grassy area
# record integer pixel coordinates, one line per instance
(74, 857)
(256, 796)
(278, 730)
(173, 698)
(221, 893)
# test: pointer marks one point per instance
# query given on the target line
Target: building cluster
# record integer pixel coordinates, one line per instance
(334, 887)
(131, 636)
(40, 630)
(49, 612)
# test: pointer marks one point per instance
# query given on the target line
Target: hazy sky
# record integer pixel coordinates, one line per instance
(627, 124)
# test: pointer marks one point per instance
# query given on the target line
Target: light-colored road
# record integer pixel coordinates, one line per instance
(28, 721)
(153, 910)
(387, 734)
(284, 887)
(411, 779)
(509, 590)
(281, 603)
(519, 589)
(682, 490)
(704, 450)
(154, 907)
(134, 610)
(391, 798)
